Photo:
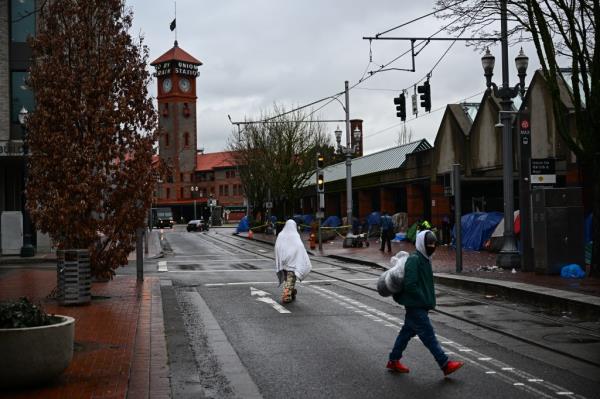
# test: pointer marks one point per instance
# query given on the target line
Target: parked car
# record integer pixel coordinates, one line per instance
(197, 225)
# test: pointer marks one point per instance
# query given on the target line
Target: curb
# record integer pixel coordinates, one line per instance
(585, 306)
(26, 261)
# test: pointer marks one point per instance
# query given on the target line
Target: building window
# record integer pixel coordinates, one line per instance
(186, 139)
(168, 193)
(20, 95)
(181, 177)
(22, 15)
(234, 190)
(226, 190)
(212, 190)
(192, 177)
(181, 192)
(220, 190)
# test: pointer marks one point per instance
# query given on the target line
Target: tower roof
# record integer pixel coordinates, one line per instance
(176, 54)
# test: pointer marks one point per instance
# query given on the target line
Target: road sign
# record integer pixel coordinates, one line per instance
(543, 171)
(320, 214)
(268, 205)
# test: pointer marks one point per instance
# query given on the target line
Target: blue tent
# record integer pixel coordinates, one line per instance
(477, 228)
(332, 221)
(374, 218)
(243, 226)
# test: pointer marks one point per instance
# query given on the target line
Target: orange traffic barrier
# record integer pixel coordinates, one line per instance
(250, 234)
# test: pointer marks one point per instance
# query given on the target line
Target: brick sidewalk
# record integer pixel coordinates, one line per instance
(120, 348)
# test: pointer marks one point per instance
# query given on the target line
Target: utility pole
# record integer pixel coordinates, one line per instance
(348, 156)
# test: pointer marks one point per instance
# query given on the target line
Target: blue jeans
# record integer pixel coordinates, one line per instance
(416, 322)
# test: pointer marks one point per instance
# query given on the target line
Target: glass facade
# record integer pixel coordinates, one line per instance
(20, 96)
(22, 17)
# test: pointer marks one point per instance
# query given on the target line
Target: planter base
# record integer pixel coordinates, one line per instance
(35, 354)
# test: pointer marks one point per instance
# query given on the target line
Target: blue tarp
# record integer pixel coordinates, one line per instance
(477, 228)
(374, 218)
(243, 226)
(332, 221)
(588, 233)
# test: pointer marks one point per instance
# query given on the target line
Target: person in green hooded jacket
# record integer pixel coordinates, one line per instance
(418, 298)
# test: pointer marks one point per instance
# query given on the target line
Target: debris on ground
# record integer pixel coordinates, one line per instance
(489, 269)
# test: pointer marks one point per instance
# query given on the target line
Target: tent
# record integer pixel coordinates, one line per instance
(332, 221)
(495, 242)
(243, 226)
(477, 228)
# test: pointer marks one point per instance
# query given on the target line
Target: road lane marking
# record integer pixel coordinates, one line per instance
(275, 282)
(162, 266)
(266, 298)
(512, 376)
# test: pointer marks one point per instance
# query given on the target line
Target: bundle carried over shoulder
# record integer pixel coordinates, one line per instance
(390, 281)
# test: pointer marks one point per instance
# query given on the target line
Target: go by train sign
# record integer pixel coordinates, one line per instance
(177, 67)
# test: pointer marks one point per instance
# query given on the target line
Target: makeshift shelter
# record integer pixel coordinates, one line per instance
(243, 226)
(477, 228)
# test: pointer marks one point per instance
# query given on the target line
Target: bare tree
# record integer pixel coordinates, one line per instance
(404, 135)
(91, 134)
(565, 33)
(278, 156)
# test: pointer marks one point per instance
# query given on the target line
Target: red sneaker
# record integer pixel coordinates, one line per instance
(395, 365)
(452, 366)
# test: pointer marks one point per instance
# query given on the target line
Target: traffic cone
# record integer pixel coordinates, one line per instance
(250, 234)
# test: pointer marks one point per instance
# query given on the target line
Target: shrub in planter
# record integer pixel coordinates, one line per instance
(35, 346)
(23, 313)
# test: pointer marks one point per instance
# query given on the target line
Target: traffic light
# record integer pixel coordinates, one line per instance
(320, 160)
(400, 102)
(321, 182)
(425, 96)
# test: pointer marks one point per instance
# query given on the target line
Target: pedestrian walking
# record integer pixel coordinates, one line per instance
(291, 260)
(418, 298)
(387, 230)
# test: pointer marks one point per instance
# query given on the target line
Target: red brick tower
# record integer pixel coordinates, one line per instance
(176, 73)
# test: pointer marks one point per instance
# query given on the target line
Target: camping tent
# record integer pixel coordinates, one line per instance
(477, 228)
(243, 226)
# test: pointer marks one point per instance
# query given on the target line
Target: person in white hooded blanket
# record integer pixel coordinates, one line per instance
(291, 260)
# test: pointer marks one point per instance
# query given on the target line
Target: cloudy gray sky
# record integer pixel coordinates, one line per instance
(291, 52)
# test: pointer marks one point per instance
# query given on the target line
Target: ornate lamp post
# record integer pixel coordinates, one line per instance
(348, 150)
(27, 250)
(508, 257)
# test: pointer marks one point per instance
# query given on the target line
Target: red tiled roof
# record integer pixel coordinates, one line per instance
(176, 54)
(214, 160)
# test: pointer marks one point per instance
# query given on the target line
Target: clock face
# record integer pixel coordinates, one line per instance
(167, 85)
(184, 85)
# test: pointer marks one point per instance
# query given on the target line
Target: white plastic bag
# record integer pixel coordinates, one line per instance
(390, 282)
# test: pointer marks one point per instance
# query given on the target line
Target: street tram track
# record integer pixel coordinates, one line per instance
(588, 331)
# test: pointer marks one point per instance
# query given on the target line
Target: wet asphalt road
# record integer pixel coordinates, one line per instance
(227, 336)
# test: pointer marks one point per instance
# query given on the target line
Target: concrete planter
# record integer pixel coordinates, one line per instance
(35, 354)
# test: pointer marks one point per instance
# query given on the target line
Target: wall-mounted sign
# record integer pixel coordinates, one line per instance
(163, 69)
(179, 67)
(11, 148)
(543, 171)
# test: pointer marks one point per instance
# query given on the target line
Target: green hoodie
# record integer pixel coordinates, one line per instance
(418, 291)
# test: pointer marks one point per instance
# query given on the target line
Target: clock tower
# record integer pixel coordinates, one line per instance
(176, 73)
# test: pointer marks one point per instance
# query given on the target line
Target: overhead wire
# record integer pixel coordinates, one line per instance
(334, 97)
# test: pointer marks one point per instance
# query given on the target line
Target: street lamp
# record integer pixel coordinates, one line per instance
(194, 190)
(508, 257)
(348, 150)
(27, 249)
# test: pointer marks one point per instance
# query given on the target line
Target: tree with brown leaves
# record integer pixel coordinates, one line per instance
(91, 135)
